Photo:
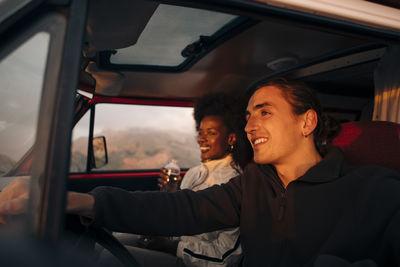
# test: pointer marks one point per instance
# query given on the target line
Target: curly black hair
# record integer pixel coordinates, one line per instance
(231, 108)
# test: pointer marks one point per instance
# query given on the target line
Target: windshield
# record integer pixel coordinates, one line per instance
(21, 75)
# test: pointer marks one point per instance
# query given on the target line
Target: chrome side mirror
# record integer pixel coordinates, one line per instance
(100, 157)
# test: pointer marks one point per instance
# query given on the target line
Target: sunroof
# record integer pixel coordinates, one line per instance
(168, 32)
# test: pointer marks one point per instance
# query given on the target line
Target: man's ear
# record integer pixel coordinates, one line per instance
(310, 122)
(231, 139)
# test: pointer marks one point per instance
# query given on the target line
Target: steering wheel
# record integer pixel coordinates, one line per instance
(89, 234)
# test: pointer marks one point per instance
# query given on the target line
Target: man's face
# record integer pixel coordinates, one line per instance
(272, 128)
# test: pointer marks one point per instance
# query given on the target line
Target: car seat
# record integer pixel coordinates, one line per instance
(370, 142)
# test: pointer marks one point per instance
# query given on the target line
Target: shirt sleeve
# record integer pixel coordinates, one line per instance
(219, 248)
(168, 213)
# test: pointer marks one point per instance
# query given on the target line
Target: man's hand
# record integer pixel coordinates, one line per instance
(80, 203)
(14, 198)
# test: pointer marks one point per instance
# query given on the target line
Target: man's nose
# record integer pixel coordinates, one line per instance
(251, 125)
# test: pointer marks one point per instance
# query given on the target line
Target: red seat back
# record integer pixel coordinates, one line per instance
(370, 142)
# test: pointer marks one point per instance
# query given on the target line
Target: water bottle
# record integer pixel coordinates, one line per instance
(172, 170)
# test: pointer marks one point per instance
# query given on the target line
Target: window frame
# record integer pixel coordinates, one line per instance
(50, 153)
(92, 173)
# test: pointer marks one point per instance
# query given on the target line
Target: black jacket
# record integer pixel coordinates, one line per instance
(334, 209)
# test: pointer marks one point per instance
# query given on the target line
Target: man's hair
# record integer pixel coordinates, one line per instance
(230, 108)
(302, 98)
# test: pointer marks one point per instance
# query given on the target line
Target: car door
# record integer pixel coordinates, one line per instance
(40, 53)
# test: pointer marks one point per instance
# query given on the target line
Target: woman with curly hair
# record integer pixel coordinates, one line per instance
(224, 152)
(220, 126)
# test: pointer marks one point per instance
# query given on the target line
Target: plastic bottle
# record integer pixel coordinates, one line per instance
(172, 170)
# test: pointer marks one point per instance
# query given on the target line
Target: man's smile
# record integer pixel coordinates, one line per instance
(258, 140)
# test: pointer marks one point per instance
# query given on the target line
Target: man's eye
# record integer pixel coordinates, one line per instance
(263, 113)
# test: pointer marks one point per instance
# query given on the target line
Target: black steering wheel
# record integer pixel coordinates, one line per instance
(91, 235)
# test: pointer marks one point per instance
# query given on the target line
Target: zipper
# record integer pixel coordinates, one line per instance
(278, 187)
(282, 204)
(281, 194)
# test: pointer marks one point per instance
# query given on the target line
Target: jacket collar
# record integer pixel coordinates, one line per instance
(218, 163)
(326, 170)
(197, 175)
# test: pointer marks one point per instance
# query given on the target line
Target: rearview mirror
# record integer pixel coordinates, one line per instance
(99, 152)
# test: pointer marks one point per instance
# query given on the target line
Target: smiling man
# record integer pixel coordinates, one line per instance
(299, 204)
(279, 136)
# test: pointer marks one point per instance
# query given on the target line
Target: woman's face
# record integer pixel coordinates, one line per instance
(214, 139)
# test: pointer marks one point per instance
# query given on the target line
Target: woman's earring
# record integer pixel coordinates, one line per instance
(231, 148)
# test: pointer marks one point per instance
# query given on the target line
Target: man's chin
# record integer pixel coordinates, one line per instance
(260, 160)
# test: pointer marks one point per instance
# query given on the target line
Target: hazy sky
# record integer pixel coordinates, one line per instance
(122, 117)
(145, 116)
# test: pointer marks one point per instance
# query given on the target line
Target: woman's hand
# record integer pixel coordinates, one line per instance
(14, 198)
(168, 183)
(158, 243)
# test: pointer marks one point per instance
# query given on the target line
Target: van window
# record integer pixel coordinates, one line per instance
(142, 137)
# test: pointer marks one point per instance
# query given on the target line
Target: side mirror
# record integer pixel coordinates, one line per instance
(99, 156)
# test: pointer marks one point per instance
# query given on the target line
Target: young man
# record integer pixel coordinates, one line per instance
(298, 204)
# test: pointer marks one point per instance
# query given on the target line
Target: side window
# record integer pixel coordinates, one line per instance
(21, 76)
(147, 137)
(79, 146)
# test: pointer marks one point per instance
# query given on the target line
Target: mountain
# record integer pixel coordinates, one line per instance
(139, 148)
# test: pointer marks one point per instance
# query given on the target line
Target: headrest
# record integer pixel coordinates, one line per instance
(370, 142)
